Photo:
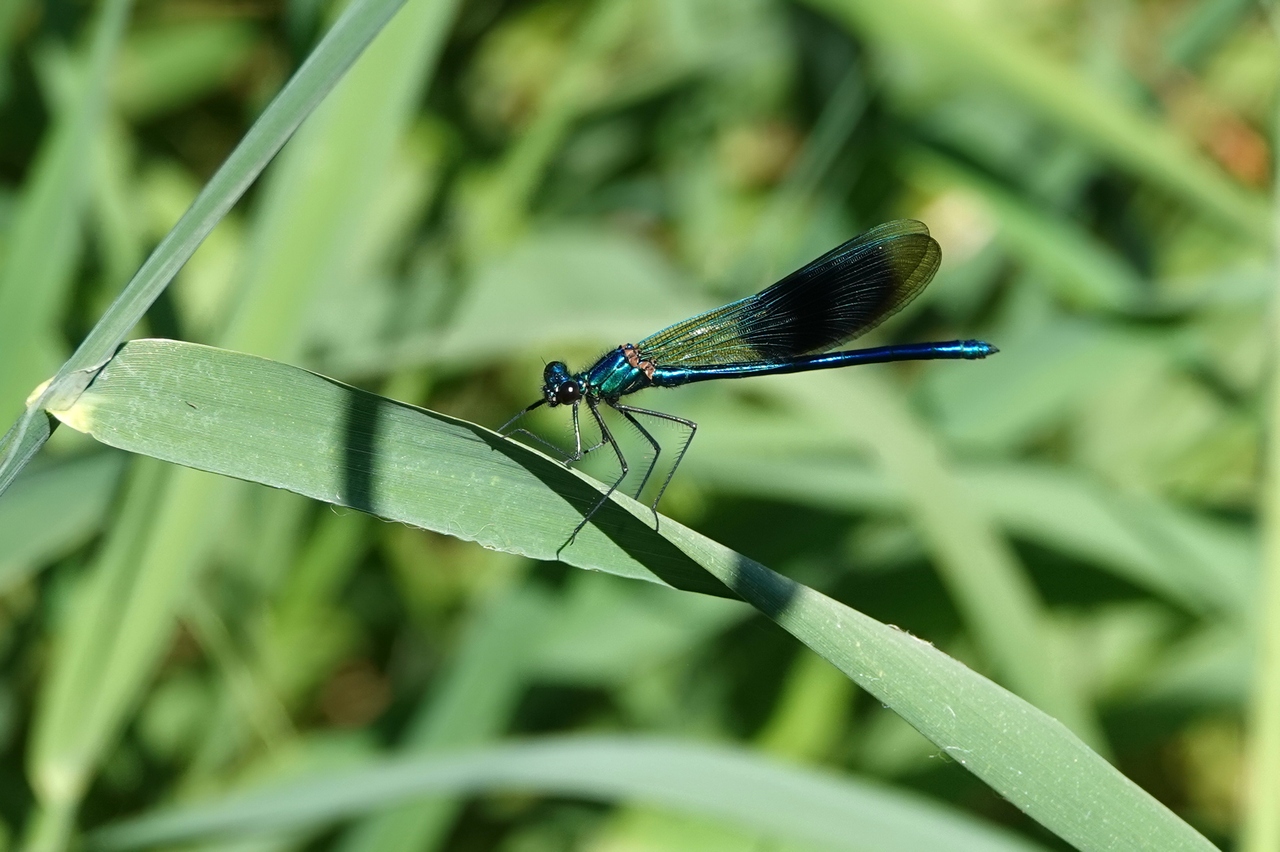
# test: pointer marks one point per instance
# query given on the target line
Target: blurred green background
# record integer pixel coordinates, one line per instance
(497, 184)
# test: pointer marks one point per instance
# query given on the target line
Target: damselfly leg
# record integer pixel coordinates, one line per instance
(607, 438)
(561, 454)
(628, 411)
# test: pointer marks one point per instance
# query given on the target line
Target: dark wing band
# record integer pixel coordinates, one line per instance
(835, 298)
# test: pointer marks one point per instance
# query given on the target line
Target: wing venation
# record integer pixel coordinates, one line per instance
(844, 293)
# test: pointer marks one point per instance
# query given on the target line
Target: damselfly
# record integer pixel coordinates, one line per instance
(786, 328)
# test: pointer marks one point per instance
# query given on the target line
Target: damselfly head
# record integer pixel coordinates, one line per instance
(558, 386)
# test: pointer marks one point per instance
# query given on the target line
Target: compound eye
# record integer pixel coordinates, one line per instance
(568, 392)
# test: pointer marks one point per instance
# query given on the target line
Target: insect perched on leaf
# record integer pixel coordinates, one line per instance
(786, 328)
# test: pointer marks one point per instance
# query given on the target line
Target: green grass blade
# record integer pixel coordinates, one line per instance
(357, 26)
(359, 23)
(57, 771)
(1260, 824)
(53, 510)
(167, 66)
(306, 232)
(44, 240)
(1204, 25)
(21, 443)
(472, 704)
(255, 419)
(983, 574)
(500, 200)
(289, 428)
(1201, 565)
(111, 656)
(745, 790)
(1089, 275)
(981, 53)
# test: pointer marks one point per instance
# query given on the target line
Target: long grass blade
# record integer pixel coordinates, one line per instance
(776, 800)
(1261, 822)
(44, 240)
(284, 427)
(357, 26)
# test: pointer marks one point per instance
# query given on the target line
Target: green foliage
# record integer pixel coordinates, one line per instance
(192, 658)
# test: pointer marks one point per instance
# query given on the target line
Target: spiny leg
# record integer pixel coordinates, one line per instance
(564, 456)
(622, 464)
(628, 410)
(577, 435)
(502, 430)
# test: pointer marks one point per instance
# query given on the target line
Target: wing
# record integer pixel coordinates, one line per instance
(846, 292)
